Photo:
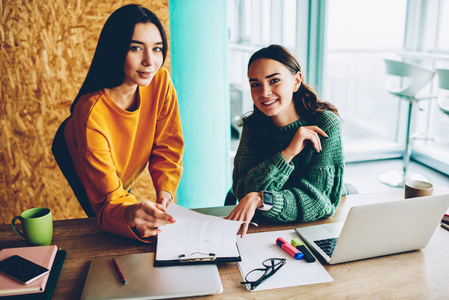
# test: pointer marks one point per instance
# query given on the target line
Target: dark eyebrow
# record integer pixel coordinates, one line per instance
(274, 74)
(269, 76)
(141, 43)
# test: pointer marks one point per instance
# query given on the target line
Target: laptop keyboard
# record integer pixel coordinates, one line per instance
(327, 245)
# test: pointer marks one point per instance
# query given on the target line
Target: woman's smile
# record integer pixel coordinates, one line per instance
(269, 102)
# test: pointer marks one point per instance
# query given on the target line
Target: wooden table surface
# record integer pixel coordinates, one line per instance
(422, 274)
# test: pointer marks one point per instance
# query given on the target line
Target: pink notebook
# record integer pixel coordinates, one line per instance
(41, 255)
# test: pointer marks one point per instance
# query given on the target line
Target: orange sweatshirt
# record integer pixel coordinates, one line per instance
(110, 148)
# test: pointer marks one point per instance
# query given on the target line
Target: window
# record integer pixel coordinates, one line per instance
(442, 43)
(432, 144)
(344, 62)
(359, 34)
(254, 24)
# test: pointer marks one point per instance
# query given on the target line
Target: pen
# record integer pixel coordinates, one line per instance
(289, 248)
(301, 247)
(119, 272)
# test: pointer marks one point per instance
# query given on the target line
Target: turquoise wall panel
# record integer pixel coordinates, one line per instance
(199, 44)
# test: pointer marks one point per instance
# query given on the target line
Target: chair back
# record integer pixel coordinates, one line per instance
(443, 78)
(443, 84)
(64, 160)
(230, 199)
(406, 79)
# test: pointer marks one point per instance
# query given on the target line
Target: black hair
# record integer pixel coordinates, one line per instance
(106, 69)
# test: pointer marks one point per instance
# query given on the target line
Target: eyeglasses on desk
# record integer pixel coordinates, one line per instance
(259, 275)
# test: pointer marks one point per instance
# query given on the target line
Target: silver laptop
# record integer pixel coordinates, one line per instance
(144, 281)
(377, 229)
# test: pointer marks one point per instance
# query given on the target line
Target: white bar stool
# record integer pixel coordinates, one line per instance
(411, 79)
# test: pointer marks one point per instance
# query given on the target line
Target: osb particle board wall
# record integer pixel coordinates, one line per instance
(45, 51)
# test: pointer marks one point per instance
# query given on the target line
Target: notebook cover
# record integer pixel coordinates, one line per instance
(144, 281)
(51, 282)
(41, 255)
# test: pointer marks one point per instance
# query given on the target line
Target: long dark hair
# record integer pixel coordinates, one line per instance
(106, 69)
(305, 98)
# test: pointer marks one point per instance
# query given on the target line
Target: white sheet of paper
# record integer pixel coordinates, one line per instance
(256, 247)
(196, 233)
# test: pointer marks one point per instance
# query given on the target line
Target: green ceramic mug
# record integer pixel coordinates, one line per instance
(37, 226)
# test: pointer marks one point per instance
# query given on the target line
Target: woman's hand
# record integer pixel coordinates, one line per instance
(244, 211)
(304, 133)
(164, 198)
(147, 217)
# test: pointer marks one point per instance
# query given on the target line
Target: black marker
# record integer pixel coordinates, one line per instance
(308, 257)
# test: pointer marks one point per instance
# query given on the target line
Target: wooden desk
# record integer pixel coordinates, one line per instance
(422, 274)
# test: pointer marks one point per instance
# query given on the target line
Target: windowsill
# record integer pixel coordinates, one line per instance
(434, 155)
(424, 55)
(372, 150)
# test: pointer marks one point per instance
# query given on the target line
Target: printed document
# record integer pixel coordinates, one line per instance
(196, 235)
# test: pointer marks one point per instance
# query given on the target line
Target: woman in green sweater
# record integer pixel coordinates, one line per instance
(289, 163)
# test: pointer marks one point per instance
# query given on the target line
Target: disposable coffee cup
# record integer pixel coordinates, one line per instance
(37, 226)
(417, 188)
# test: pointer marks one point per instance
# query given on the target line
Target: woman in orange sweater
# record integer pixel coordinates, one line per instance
(124, 118)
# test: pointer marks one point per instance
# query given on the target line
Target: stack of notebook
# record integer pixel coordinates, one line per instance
(49, 257)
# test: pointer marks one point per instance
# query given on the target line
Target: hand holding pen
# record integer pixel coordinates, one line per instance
(147, 217)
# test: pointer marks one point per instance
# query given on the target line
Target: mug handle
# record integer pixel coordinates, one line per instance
(13, 224)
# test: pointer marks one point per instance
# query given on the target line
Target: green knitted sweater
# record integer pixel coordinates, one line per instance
(307, 188)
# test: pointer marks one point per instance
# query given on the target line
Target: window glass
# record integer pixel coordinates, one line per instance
(289, 24)
(431, 138)
(443, 34)
(365, 25)
(359, 35)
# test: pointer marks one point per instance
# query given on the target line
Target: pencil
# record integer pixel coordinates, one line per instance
(119, 272)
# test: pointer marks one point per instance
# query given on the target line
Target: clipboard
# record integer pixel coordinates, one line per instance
(197, 258)
(196, 238)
